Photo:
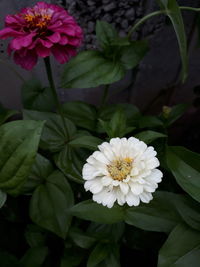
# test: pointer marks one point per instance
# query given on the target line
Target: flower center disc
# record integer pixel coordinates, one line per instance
(38, 19)
(120, 168)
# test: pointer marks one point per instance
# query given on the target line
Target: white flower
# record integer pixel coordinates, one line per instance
(124, 170)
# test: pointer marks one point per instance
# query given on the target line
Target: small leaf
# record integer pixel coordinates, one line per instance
(82, 114)
(35, 236)
(18, 148)
(99, 253)
(132, 54)
(34, 257)
(150, 122)
(174, 13)
(55, 135)
(50, 204)
(184, 164)
(90, 142)
(149, 136)
(81, 239)
(91, 69)
(181, 243)
(89, 210)
(160, 215)
(37, 97)
(105, 33)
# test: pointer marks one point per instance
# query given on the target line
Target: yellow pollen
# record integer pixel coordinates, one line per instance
(37, 20)
(120, 168)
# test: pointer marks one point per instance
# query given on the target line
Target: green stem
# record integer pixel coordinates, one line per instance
(142, 20)
(105, 95)
(189, 8)
(53, 89)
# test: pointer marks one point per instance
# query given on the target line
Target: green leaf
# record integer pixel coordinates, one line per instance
(72, 257)
(89, 210)
(18, 148)
(35, 236)
(160, 215)
(150, 122)
(82, 114)
(3, 198)
(8, 260)
(184, 164)
(132, 54)
(54, 136)
(174, 13)
(41, 169)
(91, 69)
(50, 204)
(6, 114)
(68, 162)
(105, 33)
(81, 239)
(37, 97)
(99, 253)
(149, 136)
(181, 247)
(34, 257)
(89, 142)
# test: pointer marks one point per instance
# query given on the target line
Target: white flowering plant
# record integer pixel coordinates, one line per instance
(93, 185)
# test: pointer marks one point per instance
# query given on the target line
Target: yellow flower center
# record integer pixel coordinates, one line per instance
(120, 168)
(37, 19)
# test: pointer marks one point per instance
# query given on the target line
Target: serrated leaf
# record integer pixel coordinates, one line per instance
(18, 148)
(50, 204)
(91, 69)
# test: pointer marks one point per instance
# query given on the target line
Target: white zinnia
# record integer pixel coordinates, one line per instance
(124, 170)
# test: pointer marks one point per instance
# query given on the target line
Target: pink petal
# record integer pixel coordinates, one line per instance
(43, 51)
(61, 54)
(26, 60)
(23, 41)
(8, 32)
(63, 40)
(45, 43)
(54, 38)
(67, 29)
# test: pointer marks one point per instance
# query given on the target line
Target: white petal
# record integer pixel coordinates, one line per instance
(95, 186)
(155, 176)
(106, 180)
(152, 163)
(136, 188)
(100, 157)
(89, 172)
(146, 197)
(149, 188)
(124, 187)
(132, 200)
(120, 197)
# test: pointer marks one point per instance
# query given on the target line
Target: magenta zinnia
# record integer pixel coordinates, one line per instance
(39, 31)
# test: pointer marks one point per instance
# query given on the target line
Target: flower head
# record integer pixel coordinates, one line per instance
(39, 31)
(122, 171)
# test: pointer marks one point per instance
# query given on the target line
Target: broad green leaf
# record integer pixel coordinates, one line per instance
(89, 142)
(35, 236)
(91, 69)
(18, 148)
(54, 136)
(41, 169)
(6, 114)
(160, 215)
(150, 122)
(99, 253)
(184, 164)
(3, 198)
(174, 113)
(132, 54)
(105, 33)
(50, 204)
(37, 97)
(34, 257)
(174, 13)
(81, 239)
(89, 210)
(181, 244)
(149, 136)
(82, 114)
(68, 162)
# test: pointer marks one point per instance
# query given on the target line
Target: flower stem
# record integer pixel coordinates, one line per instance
(142, 20)
(105, 95)
(53, 89)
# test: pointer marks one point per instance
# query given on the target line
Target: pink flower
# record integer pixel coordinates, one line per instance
(40, 31)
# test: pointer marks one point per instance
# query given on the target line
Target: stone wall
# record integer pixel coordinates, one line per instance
(157, 71)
